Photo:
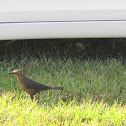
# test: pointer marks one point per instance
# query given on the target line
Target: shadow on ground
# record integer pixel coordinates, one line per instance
(65, 48)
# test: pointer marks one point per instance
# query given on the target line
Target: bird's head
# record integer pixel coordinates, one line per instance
(16, 72)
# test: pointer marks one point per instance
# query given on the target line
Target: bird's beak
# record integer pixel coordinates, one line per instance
(11, 73)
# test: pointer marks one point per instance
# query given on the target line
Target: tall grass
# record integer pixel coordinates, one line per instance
(81, 79)
(95, 92)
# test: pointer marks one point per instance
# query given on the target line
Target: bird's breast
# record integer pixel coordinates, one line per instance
(22, 85)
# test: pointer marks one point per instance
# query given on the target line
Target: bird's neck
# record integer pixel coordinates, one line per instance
(20, 78)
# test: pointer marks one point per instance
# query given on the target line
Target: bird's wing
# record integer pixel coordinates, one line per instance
(35, 85)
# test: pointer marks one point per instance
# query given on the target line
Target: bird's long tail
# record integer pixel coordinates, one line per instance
(60, 88)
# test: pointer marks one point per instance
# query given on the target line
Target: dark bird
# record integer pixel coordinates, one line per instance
(30, 86)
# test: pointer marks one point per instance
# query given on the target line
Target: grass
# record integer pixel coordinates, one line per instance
(95, 93)
(25, 112)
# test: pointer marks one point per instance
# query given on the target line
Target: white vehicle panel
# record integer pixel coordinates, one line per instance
(36, 19)
(90, 29)
(61, 10)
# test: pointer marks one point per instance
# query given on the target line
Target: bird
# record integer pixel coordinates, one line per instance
(30, 86)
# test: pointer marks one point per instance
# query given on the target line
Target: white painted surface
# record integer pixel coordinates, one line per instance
(36, 19)
(61, 10)
(92, 29)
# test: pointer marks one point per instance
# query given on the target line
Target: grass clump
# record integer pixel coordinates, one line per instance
(25, 112)
(95, 93)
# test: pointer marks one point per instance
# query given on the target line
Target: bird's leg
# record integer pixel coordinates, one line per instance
(31, 97)
(37, 97)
